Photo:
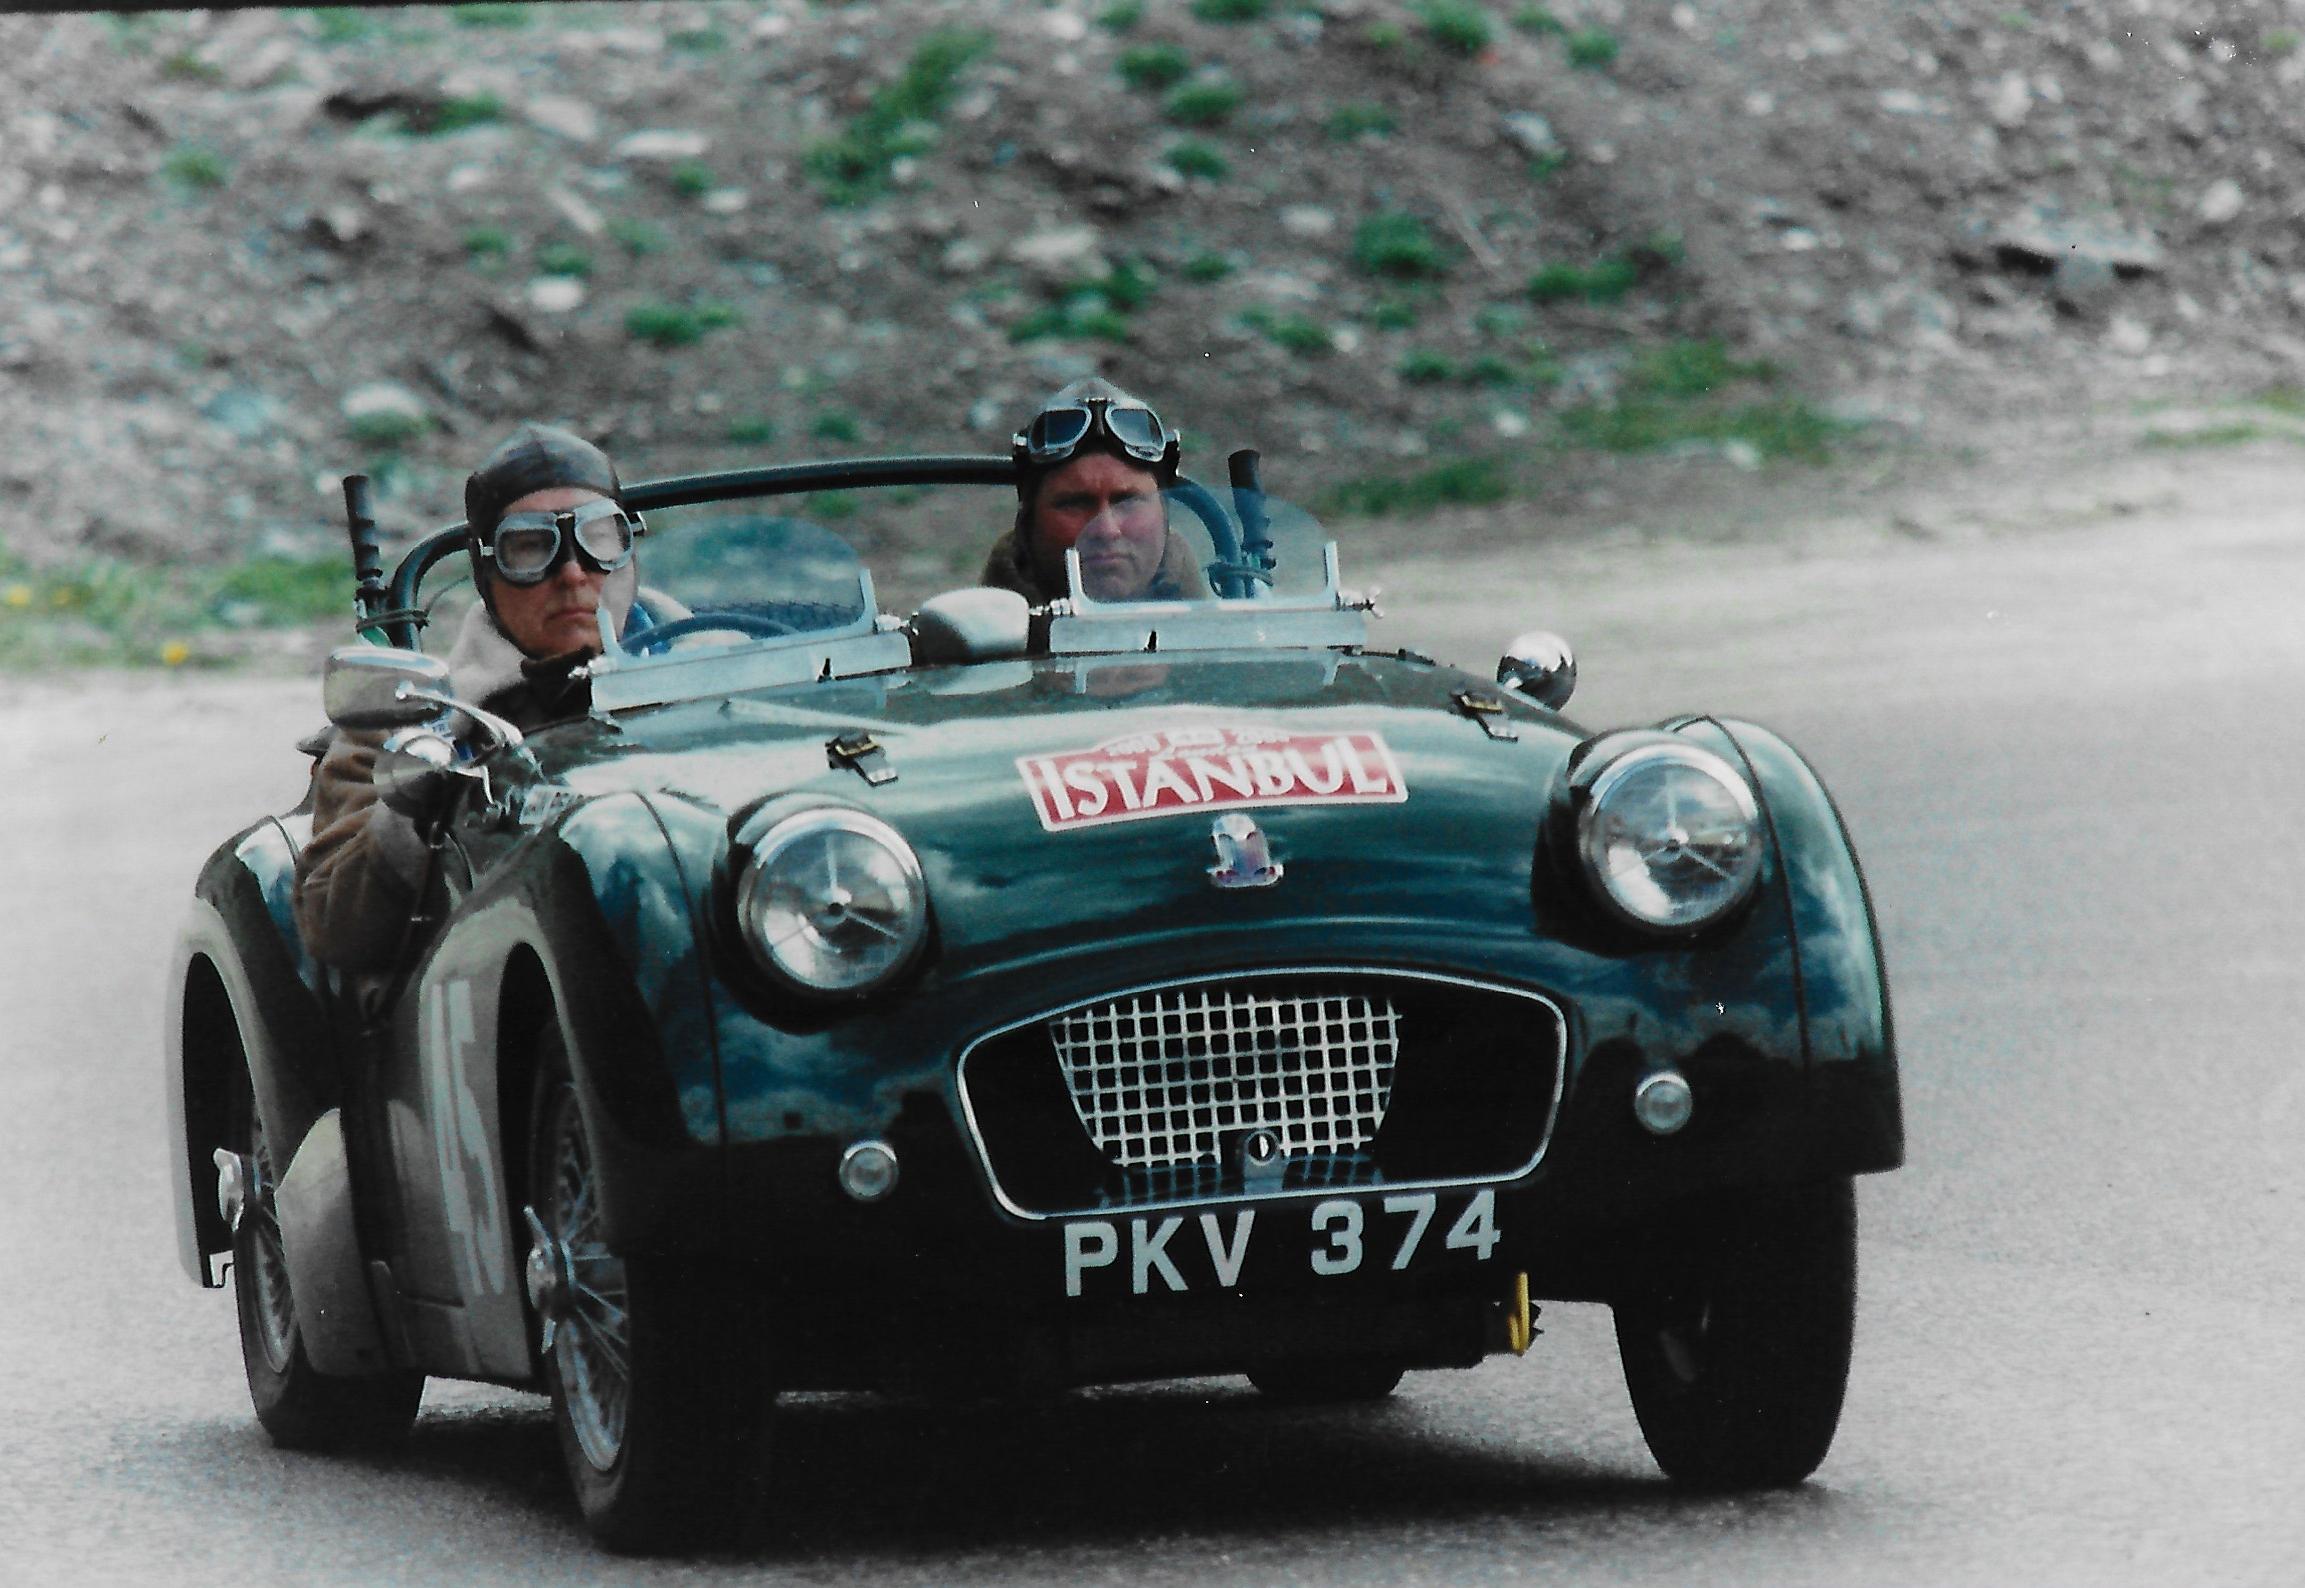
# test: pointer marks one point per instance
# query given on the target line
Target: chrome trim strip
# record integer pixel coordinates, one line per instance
(1544, 1141)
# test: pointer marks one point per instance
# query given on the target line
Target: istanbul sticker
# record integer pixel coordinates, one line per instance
(1176, 771)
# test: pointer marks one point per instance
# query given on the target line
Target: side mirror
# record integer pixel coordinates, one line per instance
(977, 625)
(1539, 666)
(361, 687)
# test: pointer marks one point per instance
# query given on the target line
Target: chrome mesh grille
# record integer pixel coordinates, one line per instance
(1167, 1078)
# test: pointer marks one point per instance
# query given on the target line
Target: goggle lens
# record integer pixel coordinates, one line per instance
(1057, 433)
(528, 546)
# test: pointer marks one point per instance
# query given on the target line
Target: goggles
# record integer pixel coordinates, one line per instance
(1055, 434)
(528, 547)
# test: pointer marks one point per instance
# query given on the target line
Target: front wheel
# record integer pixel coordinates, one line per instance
(649, 1380)
(1737, 1364)
(298, 1405)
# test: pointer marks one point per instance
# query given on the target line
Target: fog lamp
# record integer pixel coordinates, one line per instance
(1663, 1102)
(868, 1170)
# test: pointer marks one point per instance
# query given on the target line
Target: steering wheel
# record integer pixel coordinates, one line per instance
(705, 622)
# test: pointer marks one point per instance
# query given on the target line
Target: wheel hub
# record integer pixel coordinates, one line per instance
(550, 1276)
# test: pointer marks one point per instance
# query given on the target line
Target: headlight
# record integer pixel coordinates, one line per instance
(1669, 834)
(832, 902)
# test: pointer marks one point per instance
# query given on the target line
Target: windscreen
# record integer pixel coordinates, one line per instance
(1197, 544)
(741, 572)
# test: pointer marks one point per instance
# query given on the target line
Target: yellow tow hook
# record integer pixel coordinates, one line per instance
(1519, 1331)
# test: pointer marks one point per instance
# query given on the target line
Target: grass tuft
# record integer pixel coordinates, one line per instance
(1297, 333)
(1456, 27)
(195, 168)
(1153, 67)
(1191, 159)
(1206, 104)
(1398, 246)
(1461, 482)
(900, 120)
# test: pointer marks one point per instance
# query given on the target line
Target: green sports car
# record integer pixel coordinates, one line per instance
(1009, 998)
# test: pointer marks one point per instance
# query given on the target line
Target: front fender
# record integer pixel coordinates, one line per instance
(1848, 1038)
(591, 925)
(241, 991)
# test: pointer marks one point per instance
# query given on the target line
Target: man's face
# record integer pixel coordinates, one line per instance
(561, 613)
(1112, 511)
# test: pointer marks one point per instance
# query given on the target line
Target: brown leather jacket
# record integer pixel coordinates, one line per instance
(359, 879)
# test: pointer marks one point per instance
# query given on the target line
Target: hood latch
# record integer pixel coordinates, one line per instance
(1488, 711)
(861, 753)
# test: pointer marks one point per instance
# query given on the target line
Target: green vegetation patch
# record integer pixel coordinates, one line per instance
(1091, 310)
(454, 114)
(1351, 121)
(1593, 49)
(107, 612)
(1456, 27)
(638, 237)
(563, 259)
(1206, 267)
(486, 244)
(1121, 17)
(1299, 334)
(491, 16)
(900, 120)
(1231, 11)
(1397, 245)
(1203, 104)
(676, 325)
(1191, 159)
(2236, 433)
(1606, 280)
(1695, 393)
(195, 168)
(1461, 482)
(1153, 67)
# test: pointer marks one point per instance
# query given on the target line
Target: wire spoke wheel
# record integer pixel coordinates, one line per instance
(655, 1385)
(263, 1260)
(301, 1407)
(592, 1342)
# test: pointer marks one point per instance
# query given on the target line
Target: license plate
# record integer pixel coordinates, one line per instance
(1176, 1252)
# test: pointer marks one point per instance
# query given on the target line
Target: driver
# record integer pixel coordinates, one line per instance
(551, 546)
(1091, 466)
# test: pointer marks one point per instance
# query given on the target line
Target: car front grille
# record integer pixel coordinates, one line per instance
(1353, 1078)
(1168, 1078)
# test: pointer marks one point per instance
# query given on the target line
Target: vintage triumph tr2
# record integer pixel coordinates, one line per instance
(1013, 997)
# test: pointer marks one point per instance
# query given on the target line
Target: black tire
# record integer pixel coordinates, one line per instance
(1737, 1365)
(298, 1405)
(1332, 1383)
(653, 1393)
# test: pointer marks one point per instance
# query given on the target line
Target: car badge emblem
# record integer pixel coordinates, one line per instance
(1244, 858)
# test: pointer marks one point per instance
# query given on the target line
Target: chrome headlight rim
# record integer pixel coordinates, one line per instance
(759, 873)
(1604, 774)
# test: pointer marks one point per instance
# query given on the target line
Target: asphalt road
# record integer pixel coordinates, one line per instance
(2069, 757)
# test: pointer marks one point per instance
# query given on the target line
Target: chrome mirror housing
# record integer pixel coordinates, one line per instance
(1539, 666)
(362, 687)
(975, 625)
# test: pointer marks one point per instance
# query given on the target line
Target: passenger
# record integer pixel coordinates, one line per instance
(1091, 468)
(551, 545)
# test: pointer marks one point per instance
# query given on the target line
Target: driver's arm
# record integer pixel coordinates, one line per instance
(360, 878)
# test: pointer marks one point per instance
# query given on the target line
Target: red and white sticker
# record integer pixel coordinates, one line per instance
(1176, 771)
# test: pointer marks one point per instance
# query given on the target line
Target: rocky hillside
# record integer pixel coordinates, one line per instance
(1416, 251)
